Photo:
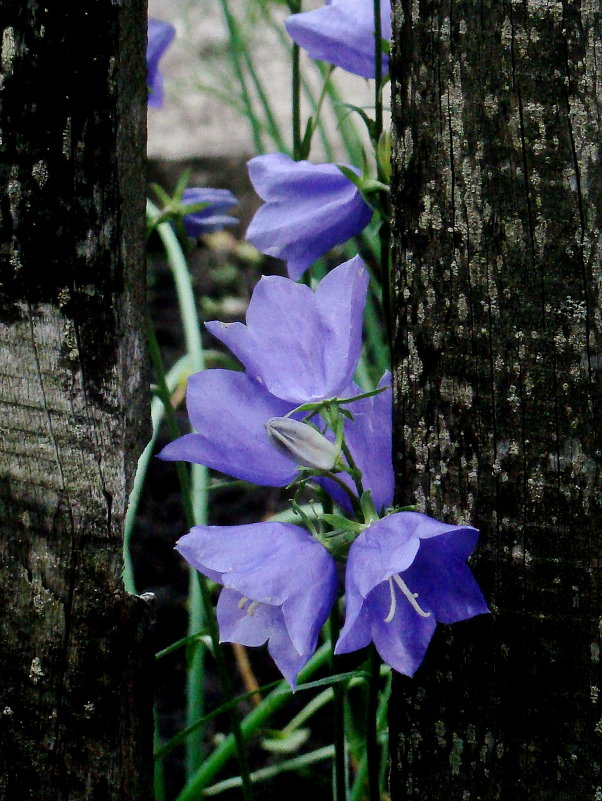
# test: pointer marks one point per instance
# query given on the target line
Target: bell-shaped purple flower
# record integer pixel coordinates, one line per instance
(279, 586)
(406, 573)
(309, 208)
(297, 346)
(342, 33)
(212, 217)
(160, 36)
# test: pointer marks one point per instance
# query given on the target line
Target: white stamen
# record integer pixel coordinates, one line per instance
(411, 596)
(391, 614)
(242, 602)
(252, 607)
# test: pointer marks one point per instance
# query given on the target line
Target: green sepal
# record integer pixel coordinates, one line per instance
(368, 508)
(342, 523)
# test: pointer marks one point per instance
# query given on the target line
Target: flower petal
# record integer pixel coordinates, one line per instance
(237, 625)
(402, 642)
(357, 631)
(383, 549)
(309, 209)
(212, 217)
(342, 33)
(443, 580)
(280, 647)
(160, 36)
(368, 436)
(267, 562)
(230, 412)
(299, 344)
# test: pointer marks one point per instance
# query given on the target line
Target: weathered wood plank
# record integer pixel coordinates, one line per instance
(498, 205)
(75, 704)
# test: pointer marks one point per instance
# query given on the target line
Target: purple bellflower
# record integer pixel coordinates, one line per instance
(212, 217)
(309, 208)
(297, 346)
(279, 585)
(406, 573)
(160, 36)
(342, 33)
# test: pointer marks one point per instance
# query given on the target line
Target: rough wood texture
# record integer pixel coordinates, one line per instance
(75, 704)
(498, 194)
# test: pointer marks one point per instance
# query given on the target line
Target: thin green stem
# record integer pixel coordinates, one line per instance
(296, 100)
(199, 479)
(361, 777)
(378, 72)
(196, 507)
(271, 124)
(250, 724)
(327, 752)
(340, 746)
(372, 749)
(237, 46)
(172, 379)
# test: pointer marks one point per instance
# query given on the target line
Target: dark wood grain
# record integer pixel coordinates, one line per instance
(498, 204)
(75, 699)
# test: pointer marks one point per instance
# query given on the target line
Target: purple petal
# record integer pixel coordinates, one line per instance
(357, 631)
(403, 641)
(212, 217)
(342, 33)
(240, 623)
(386, 547)
(160, 36)
(236, 625)
(288, 660)
(309, 209)
(269, 562)
(229, 412)
(368, 436)
(443, 580)
(301, 345)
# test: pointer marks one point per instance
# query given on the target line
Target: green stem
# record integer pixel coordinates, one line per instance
(199, 479)
(372, 750)
(200, 600)
(172, 379)
(327, 752)
(361, 777)
(237, 46)
(378, 73)
(296, 99)
(340, 748)
(251, 723)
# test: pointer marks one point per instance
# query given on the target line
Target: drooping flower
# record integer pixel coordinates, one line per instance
(297, 346)
(211, 217)
(406, 573)
(279, 585)
(309, 208)
(160, 36)
(342, 33)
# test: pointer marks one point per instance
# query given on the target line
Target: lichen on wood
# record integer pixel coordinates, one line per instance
(75, 704)
(497, 211)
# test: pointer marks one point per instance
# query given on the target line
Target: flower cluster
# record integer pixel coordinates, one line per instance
(405, 571)
(295, 417)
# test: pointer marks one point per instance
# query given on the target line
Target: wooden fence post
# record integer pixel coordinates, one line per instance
(498, 204)
(75, 695)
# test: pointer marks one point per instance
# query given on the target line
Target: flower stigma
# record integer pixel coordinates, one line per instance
(411, 596)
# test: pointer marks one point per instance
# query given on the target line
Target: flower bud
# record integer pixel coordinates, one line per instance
(303, 442)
